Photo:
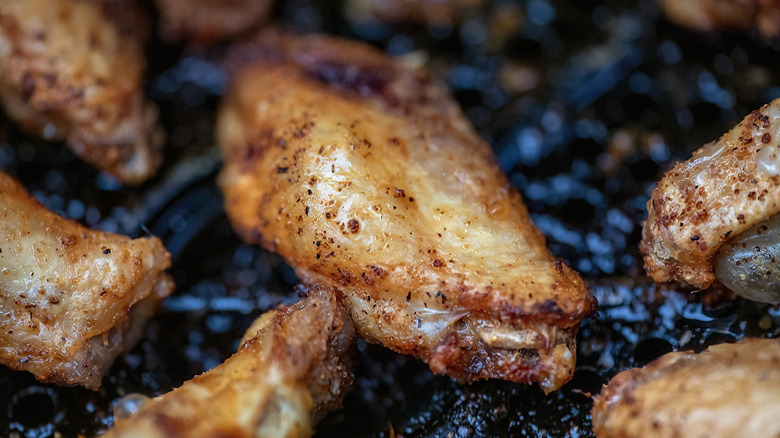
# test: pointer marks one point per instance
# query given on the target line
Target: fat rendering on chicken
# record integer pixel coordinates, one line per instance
(71, 299)
(726, 391)
(706, 210)
(294, 366)
(210, 21)
(73, 70)
(365, 175)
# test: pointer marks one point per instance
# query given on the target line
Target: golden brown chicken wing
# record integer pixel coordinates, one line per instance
(727, 187)
(706, 15)
(292, 368)
(728, 390)
(71, 299)
(208, 21)
(72, 70)
(365, 175)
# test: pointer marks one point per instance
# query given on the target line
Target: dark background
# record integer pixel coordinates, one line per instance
(586, 104)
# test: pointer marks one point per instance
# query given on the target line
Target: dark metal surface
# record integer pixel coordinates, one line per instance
(586, 103)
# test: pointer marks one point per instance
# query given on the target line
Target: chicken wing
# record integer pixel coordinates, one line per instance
(293, 367)
(727, 187)
(706, 15)
(208, 21)
(728, 390)
(365, 175)
(72, 70)
(71, 299)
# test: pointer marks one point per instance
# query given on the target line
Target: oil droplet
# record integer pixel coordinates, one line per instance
(128, 405)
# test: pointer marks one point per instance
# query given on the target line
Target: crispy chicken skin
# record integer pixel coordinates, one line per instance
(72, 70)
(706, 15)
(728, 390)
(727, 186)
(71, 299)
(293, 367)
(365, 175)
(430, 12)
(208, 21)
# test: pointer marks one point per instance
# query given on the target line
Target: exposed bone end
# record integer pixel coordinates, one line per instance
(726, 187)
(512, 339)
(504, 352)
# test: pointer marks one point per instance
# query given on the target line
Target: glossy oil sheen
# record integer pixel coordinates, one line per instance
(749, 264)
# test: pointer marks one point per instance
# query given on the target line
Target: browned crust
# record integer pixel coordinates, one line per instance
(73, 70)
(87, 365)
(728, 390)
(720, 192)
(85, 297)
(294, 366)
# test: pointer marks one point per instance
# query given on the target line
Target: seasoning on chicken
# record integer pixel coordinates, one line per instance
(728, 390)
(71, 299)
(292, 368)
(72, 70)
(366, 176)
(707, 15)
(209, 21)
(430, 12)
(727, 187)
(747, 264)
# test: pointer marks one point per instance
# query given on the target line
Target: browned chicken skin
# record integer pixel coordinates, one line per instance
(208, 21)
(706, 15)
(728, 186)
(293, 367)
(72, 70)
(365, 175)
(71, 299)
(728, 391)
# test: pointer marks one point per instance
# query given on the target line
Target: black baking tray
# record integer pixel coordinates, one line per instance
(586, 103)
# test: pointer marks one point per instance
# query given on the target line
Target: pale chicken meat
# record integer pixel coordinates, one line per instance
(71, 299)
(728, 391)
(72, 70)
(209, 21)
(707, 15)
(365, 175)
(294, 365)
(727, 187)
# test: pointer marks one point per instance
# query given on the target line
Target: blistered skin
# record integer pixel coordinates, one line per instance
(71, 299)
(72, 70)
(209, 21)
(366, 176)
(430, 12)
(707, 15)
(293, 367)
(727, 186)
(728, 390)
